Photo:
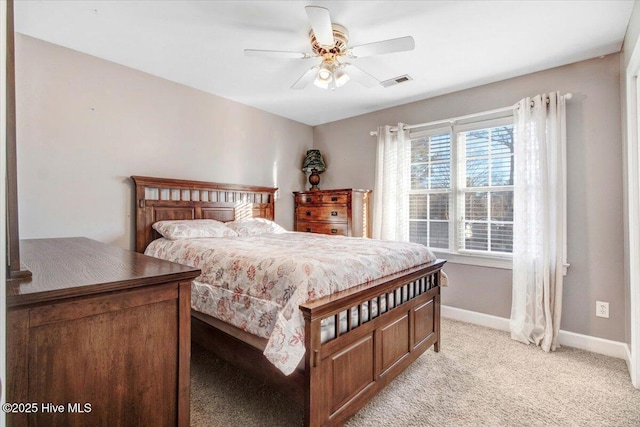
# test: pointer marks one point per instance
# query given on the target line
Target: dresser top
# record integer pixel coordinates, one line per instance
(78, 266)
(331, 191)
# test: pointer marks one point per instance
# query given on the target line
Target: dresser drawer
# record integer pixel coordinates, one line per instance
(340, 199)
(323, 228)
(325, 199)
(306, 199)
(322, 213)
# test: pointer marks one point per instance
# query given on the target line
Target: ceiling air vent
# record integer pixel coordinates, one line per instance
(396, 80)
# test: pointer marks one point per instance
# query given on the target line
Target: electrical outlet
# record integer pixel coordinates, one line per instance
(602, 309)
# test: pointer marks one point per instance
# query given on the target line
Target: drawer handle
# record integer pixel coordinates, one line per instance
(308, 213)
(308, 200)
(308, 230)
(334, 199)
(334, 231)
(334, 213)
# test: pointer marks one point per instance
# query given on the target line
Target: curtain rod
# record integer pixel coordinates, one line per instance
(457, 119)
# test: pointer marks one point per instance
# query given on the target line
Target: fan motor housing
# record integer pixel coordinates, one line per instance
(340, 37)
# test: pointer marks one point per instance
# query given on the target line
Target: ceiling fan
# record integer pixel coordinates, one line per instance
(329, 41)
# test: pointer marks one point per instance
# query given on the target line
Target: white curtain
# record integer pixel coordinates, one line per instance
(539, 220)
(391, 192)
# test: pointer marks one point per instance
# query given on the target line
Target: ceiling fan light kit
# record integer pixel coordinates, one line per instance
(331, 75)
(324, 76)
(340, 77)
(329, 41)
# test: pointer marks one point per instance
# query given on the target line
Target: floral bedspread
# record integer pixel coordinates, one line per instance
(257, 283)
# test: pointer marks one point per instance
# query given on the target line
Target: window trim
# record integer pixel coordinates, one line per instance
(481, 260)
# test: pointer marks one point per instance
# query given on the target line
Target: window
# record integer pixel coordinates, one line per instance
(461, 197)
(430, 195)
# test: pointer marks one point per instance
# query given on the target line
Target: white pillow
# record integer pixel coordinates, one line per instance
(255, 226)
(193, 228)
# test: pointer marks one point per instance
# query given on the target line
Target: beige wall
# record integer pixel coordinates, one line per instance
(595, 232)
(85, 125)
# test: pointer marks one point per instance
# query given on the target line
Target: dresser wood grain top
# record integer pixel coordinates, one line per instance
(77, 266)
(342, 190)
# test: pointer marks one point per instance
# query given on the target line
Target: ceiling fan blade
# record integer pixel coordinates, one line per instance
(321, 24)
(276, 54)
(361, 76)
(306, 78)
(386, 46)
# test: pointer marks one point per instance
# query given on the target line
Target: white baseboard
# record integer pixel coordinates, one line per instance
(615, 349)
(493, 322)
(597, 345)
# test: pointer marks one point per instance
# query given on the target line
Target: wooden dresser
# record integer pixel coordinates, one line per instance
(338, 212)
(98, 336)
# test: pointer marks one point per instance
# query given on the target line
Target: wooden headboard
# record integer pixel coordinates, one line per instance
(160, 199)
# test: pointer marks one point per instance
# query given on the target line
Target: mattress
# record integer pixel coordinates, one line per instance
(257, 283)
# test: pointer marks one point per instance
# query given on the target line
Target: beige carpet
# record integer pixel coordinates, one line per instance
(480, 378)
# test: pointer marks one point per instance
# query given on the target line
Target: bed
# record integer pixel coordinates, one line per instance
(354, 339)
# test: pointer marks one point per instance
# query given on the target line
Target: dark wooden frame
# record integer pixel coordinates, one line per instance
(14, 269)
(338, 376)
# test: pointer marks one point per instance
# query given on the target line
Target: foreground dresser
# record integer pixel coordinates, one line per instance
(338, 212)
(99, 336)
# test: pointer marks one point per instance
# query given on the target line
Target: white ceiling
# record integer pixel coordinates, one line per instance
(459, 44)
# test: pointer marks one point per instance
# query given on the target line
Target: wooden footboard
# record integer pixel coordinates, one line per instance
(377, 332)
(389, 325)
